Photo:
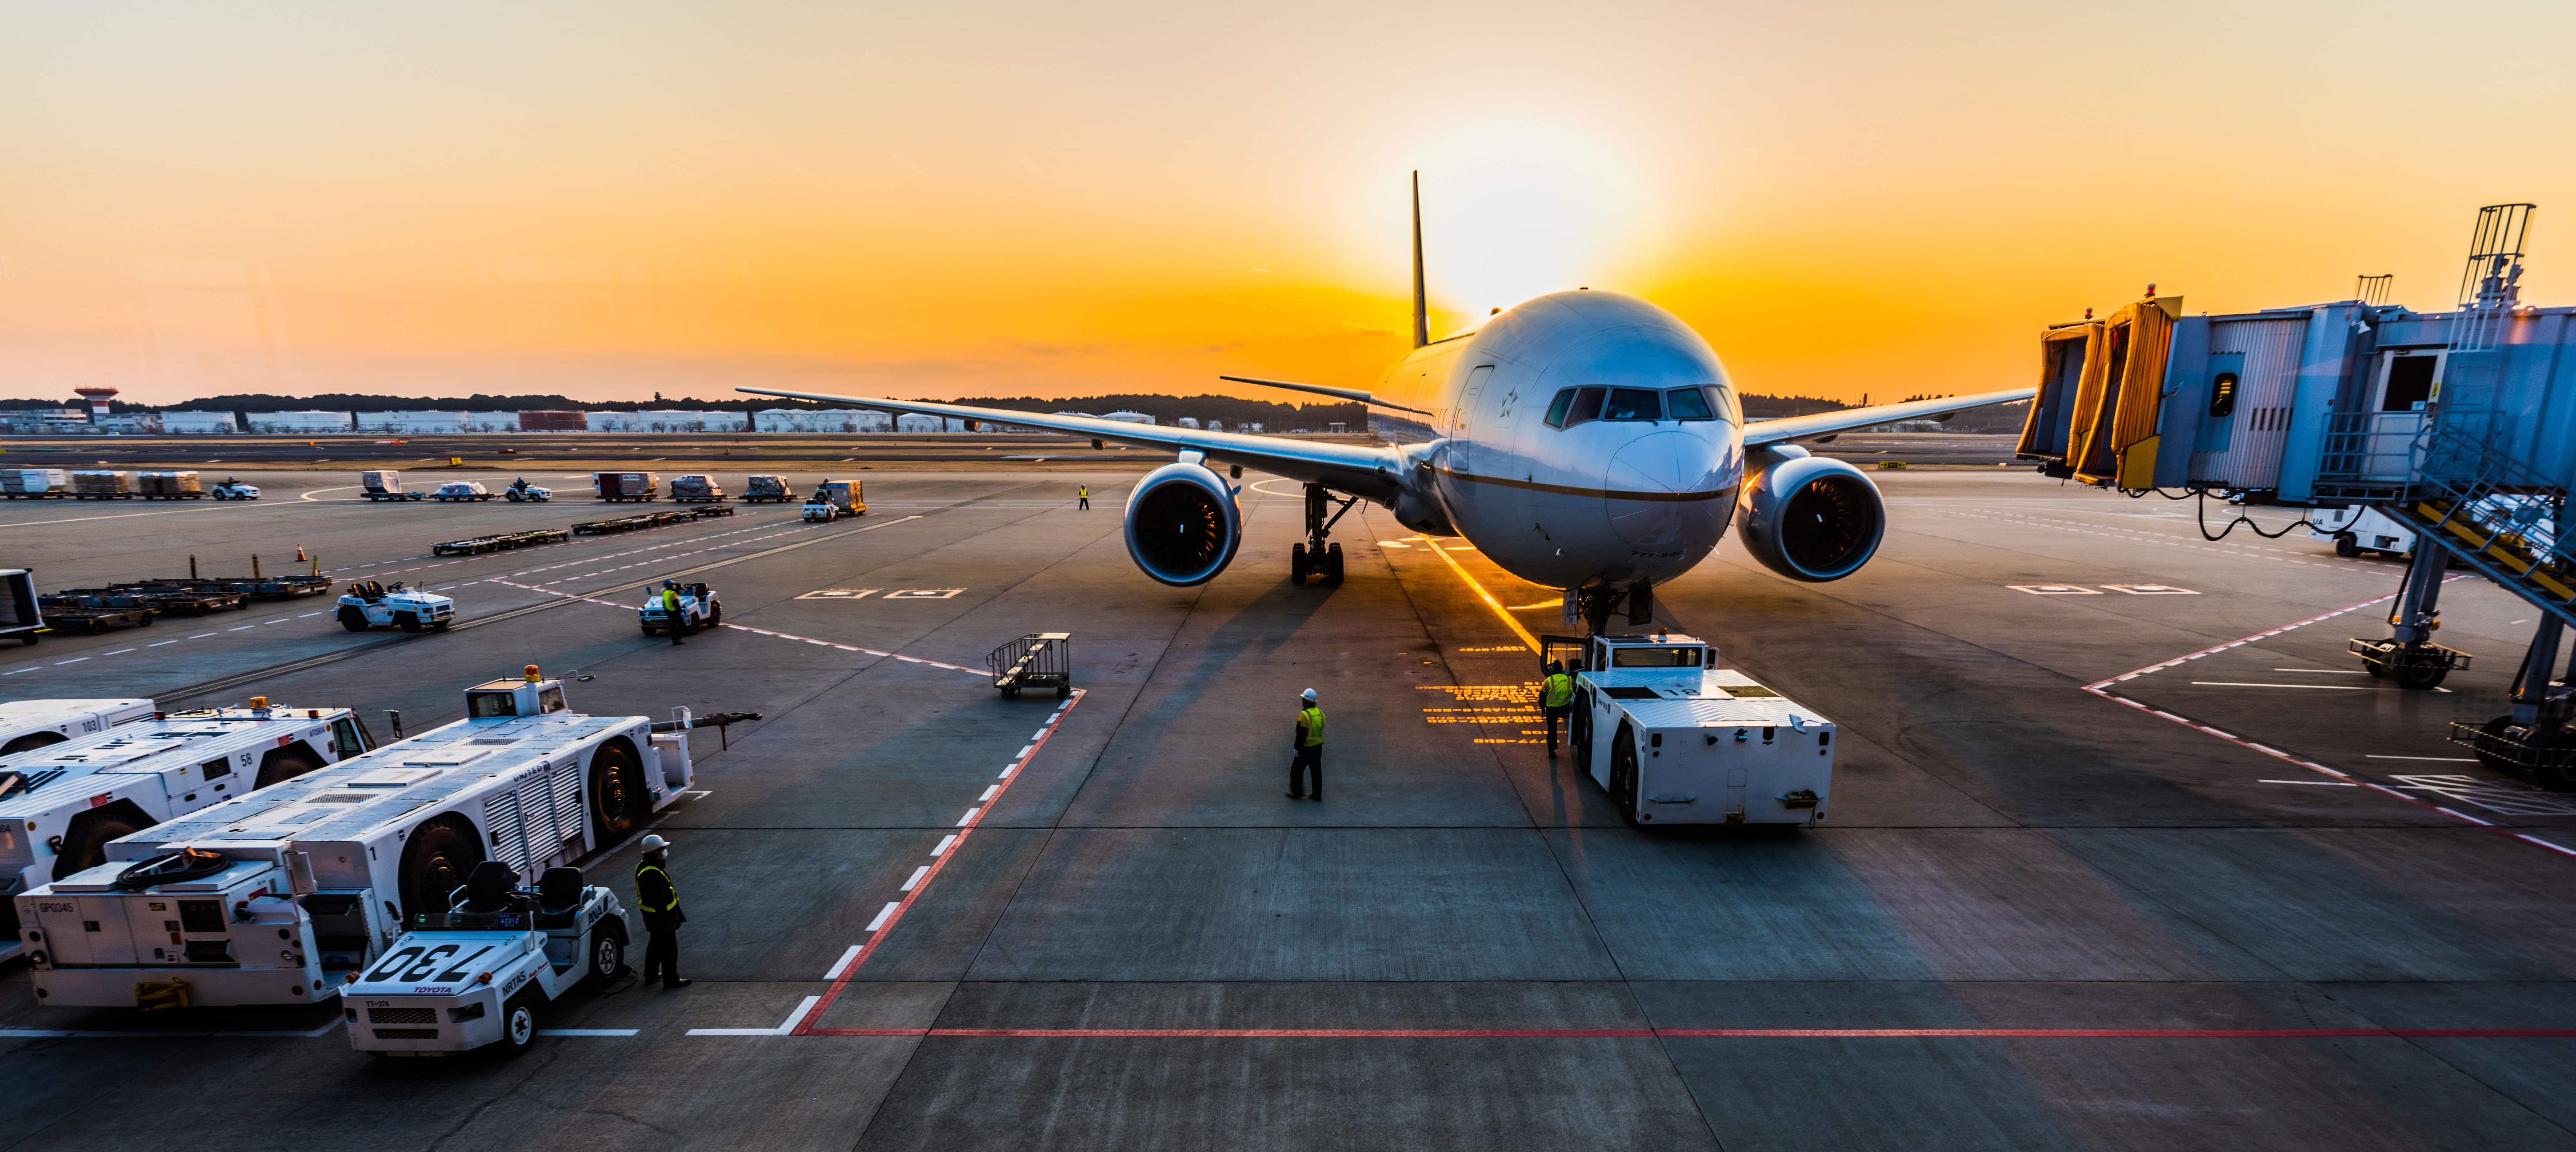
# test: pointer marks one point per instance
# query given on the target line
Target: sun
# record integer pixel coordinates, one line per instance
(1516, 208)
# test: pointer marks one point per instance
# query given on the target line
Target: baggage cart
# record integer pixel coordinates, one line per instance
(168, 486)
(22, 613)
(385, 485)
(696, 488)
(619, 486)
(95, 484)
(765, 489)
(34, 483)
(1037, 660)
(308, 881)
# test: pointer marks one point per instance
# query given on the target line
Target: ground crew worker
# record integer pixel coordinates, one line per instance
(1554, 693)
(1309, 748)
(662, 916)
(671, 616)
(1083, 492)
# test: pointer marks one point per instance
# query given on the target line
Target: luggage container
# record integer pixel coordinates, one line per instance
(102, 485)
(22, 613)
(696, 489)
(168, 486)
(1675, 740)
(72, 798)
(29, 724)
(287, 892)
(34, 483)
(765, 489)
(627, 485)
(384, 486)
(470, 490)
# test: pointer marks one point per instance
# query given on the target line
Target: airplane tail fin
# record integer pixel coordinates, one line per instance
(1421, 306)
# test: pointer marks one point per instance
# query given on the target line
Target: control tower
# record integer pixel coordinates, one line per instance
(97, 398)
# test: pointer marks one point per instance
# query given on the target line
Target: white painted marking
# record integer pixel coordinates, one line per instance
(802, 1007)
(1024, 752)
(2312, 783)
(2328, 671)
(198, 636)
(1006, 771)
(308, 615)
(2309, 687)
(586, 1031)
(989, 789)
(2053, 589)
(882, 913)
(243, 628)
(968, 818)
(917, 874)
(2443, 759)
(1040, 735)
(843, 964)
(15, 671)
(74, 660)
(944, 842)
(122, 651)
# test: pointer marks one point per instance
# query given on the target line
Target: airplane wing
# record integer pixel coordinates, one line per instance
(1801, 427)
(1370, 471)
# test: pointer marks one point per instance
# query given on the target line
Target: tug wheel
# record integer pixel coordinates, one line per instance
(607, 954)
(518, 1026)
(2346, 546)
(1623, 775)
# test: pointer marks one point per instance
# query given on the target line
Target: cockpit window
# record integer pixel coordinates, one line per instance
(1574, 406)
(1687, 404)
(1632, 404)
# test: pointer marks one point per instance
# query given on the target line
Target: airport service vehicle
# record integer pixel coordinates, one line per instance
(462, 490)
(835, 498)
(67, 801)
(476, 973)
(1675, 739)
(1584, 441)
(696, 489)
(232, 489)
(281, 896)
(2359, 528)
(521, 491)
(700, 607)
(26, 724)
(765, 489)
(626, 485)
(384, 486)
(372, 605)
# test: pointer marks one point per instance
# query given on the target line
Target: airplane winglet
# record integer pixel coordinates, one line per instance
(1421, 305)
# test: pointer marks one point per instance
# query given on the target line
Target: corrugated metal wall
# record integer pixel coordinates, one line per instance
(2260, 426)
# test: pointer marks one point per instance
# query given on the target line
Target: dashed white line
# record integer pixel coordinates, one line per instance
(843, 964)
(969, 817)
(944, 842)
(917, 874)
(882, 913)
(73, 660)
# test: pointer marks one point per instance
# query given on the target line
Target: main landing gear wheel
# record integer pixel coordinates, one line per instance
(1333, 564)
(1297, 567)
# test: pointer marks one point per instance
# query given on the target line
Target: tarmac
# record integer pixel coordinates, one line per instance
(2125, 850)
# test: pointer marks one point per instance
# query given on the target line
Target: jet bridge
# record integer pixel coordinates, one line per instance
(2459, 425)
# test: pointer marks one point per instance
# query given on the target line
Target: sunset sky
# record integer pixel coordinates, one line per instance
(609, 199)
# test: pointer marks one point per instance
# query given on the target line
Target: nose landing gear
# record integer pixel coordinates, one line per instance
(1596, 604)
(1315, 558)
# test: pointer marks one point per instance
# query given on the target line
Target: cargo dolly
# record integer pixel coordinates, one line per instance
(163, 601)
(478, 545)
(650, 520)
(75, 614)
(1037, 660)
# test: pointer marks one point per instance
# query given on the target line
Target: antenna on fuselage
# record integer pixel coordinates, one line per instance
(1421, 307)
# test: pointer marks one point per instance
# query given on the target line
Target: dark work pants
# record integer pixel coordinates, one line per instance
(1310, 759)
(1086, 504)
(679, 624)
(1553, 715)
(662, 955)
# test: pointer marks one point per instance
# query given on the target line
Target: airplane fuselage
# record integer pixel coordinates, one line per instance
(1580, 439)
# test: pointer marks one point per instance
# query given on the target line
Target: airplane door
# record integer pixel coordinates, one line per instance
(1469, 421)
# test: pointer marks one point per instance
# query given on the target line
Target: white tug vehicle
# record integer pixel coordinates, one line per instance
(284, 895)
(232, 489)
(26, 724)
(368, 604)
(1676, 740)
(477, 973)
(700, 607)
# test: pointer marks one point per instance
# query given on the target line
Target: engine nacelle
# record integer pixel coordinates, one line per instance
(1183, 525)
(1809, 518)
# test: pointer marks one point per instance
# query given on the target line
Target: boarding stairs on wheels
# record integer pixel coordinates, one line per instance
(2473, 501)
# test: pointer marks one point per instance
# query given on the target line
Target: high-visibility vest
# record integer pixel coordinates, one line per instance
(1313, 719)
(667, 886)
(671, 602)
(1556, 691)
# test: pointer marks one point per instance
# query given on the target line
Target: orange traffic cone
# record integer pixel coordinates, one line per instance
(299, 554)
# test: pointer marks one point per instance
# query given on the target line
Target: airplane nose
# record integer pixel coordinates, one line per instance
(1661, 485)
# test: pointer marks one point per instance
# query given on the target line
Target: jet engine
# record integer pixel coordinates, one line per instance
(1183, 525)
(1809, 518)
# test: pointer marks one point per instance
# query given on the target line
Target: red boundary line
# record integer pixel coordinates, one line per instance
(1705, 1033)
(804, 1026)
(2101, 688)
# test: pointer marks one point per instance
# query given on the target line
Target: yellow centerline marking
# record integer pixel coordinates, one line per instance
(1487, 597)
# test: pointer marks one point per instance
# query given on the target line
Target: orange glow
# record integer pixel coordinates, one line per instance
(1058, 200)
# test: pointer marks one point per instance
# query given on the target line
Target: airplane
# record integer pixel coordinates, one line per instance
(1583, 440)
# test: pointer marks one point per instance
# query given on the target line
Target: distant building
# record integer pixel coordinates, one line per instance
(665, 420)
(1908, 426)
(411, 423)
(1129, 417)
(554, 420)
(1255, 426)
(491, 421)
(821, 420)
(1084, 415)
(1189, 421)
(1216, 425)
(302, 423)
(919, 422)
(199, 423)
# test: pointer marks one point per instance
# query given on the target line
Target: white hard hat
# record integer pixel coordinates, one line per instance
(655, 843)
(1309, 694)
